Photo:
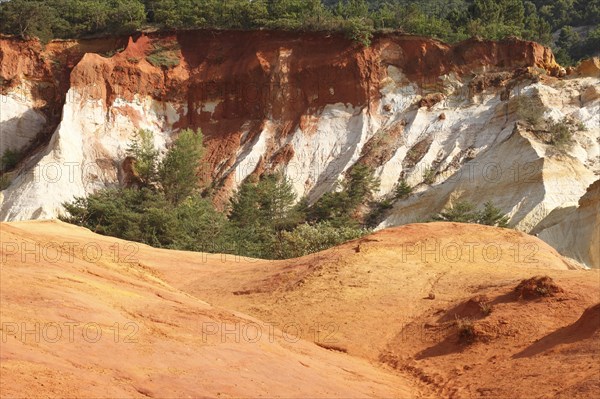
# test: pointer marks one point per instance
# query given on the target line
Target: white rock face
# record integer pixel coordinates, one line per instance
(333, 145)
(473, 144)
(83, 155)
(20, 122)
(577, 234)
(513, 168)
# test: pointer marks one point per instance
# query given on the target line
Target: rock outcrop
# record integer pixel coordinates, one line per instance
(442, 117)
(577, 234)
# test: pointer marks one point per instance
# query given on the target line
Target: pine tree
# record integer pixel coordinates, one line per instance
(492, 216)
(402, 190)
(178, 171)
(145, 154)
(461, 212)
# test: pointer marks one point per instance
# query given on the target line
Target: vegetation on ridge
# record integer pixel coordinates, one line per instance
(573, 22)
(466, 212)
(163, 206)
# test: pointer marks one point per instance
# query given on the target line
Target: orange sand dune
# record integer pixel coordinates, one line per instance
(381, 310)
(90, 326)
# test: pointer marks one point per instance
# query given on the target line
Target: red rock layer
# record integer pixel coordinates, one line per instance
(254, 76)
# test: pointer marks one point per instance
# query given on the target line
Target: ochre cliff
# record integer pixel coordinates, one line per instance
(309, 104)
(233, 78)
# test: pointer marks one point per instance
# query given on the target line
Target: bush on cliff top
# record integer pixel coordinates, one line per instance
(165, 56)
(452, 20)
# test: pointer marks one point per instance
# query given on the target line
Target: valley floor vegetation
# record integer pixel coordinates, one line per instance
(570, 26)
(165, 206)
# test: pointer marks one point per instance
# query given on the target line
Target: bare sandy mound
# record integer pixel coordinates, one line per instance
(437, 304)
(81, 316)
(401, 297)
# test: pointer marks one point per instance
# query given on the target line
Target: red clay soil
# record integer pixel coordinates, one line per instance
(365, 301)
(81, 317)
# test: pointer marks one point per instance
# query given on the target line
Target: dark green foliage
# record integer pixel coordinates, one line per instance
(492, 216)
(260, 212)
(178, 171)
(10, 159)
(146, 216)
(567, 39)
(124, 213)
(165, 56)
(5, 181)
(146, 156)
(450, 20)
(49, 19)
(28, 18)
(268, 203)
(360, 184)
(466, 212)
(306, 239)
(359, 30)
(461, 212)
(402, 190)
(340, 207)
(334, 207)
(429, 175)
(166, 210)
(199, 226)
(378, 211)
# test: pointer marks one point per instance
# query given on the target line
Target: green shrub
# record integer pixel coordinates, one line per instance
(147, 216)
(361, 184)
(461, 212)
(5, 181)
(377, 213)
(259, 212)
(560, 134)
(466, 212)
(178, 170)
(306, 239)
(111, 53)
(339, 207)
(492, 216)
(529, 109)
(359, 31)
(10, 159)
(164, 56)
(402, 190)
(333, 206)
(142, 149)
(429, 175)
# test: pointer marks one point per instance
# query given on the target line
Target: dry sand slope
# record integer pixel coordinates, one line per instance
(375, 317)
(161, 351)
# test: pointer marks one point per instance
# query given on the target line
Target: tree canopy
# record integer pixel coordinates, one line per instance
(165, 207)
(449, 20)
